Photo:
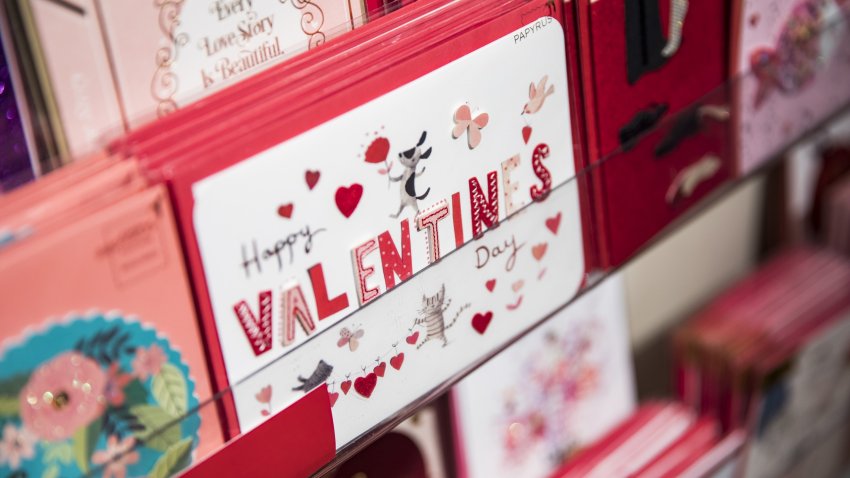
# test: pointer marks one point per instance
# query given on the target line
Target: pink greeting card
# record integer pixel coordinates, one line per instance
(100, 353)
(793, 61)
(113, 65)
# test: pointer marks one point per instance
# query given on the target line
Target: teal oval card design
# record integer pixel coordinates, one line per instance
(99, 396)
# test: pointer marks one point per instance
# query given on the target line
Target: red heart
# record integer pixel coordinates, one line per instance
(526, 134)
(334, 397)
(411, 339)
(490, 284)
(380, 369)
(397, 361)
(366, 385)
(348, 198)
(480, 322)
(554, 223)
(539, 251)
(312, 177)
(345, 386)
(285, 210)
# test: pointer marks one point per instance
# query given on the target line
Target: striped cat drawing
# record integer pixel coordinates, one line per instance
(432, 317)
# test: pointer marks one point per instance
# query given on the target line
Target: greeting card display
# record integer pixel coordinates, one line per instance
(793, 60)
(94, 375)
(108, 66)
(349, 187)
(644, 63)
(556, 390)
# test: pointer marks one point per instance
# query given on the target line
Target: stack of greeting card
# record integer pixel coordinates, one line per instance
(102, 366)
(770, 354)
(339, 211)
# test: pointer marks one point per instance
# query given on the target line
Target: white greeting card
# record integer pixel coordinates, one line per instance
(559, 388)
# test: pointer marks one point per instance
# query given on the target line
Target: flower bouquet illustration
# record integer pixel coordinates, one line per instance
(100, 396)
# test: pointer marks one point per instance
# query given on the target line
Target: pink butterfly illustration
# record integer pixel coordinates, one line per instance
(465, 123)
(349, 338)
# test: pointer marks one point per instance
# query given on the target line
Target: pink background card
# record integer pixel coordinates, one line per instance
(117, 260)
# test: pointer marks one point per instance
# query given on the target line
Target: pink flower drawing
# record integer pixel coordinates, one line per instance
(63, 396)
(17, 444)
(148, 361)
(116, 457)
(115, 383)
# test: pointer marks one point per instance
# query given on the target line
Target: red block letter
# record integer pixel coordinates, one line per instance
(393, 264)
(258, 332)
(325, 307)
(429, 220)
(295, 309)
(541, 152)
(361, 273)
(484, 210)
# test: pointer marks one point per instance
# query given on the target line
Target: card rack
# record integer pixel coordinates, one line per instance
(298, 438)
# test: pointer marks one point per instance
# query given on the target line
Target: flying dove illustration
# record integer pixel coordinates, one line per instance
(537, 96)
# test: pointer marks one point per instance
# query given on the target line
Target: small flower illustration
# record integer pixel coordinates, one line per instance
(17, 444)
(148, 361)
(116, 457)
(115, 383)
(63, 396)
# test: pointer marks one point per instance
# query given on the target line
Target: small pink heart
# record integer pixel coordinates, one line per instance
(518, 285)
(490, 284)
(539, 251)
(334, 397)
(380, 369)
(345, 386)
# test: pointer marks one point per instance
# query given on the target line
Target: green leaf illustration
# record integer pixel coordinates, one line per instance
(85, 439)
(161, 429)
(9, 406)
(173, 460)
(51, 472)
(135, 394)
(169, 390)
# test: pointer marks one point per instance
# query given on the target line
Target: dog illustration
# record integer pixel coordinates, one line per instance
(410, 160)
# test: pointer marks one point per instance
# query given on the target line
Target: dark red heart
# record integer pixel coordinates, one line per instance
(397, 361)
(345, 386)
(526, 134)
(490, 284)
(366, 385)
(411, 339)
(380, 369)
(347, 199)
(334, 397)
(312, 177)
(554, 223)
(285, 210)
(480, 322)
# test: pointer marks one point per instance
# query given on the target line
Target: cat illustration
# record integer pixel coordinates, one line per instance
(431, 316)
(322, 372)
